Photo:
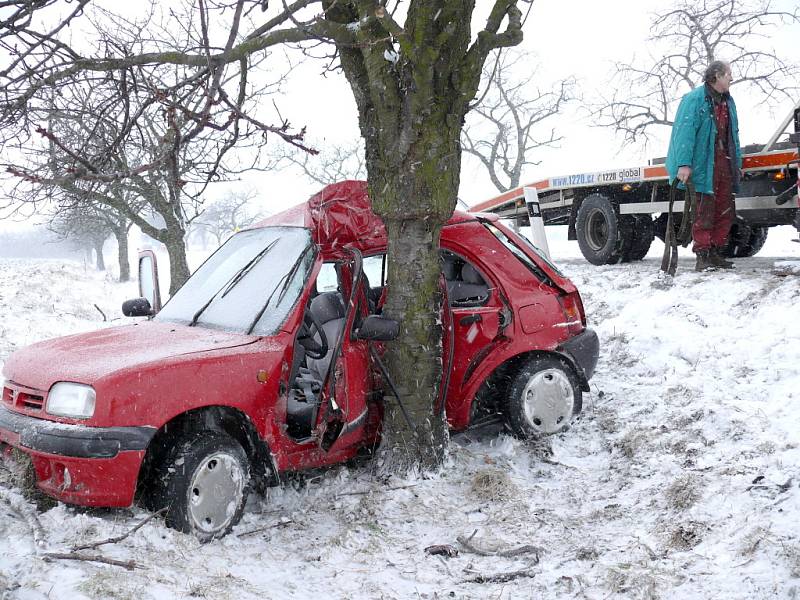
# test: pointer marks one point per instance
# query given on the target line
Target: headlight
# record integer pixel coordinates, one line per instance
(71, 400)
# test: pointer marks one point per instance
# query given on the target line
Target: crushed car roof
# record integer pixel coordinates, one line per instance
(340, 216)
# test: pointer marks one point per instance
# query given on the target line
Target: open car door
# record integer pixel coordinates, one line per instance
(343, 413)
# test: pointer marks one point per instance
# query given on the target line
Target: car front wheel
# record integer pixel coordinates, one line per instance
(203, 483)
(543, 397)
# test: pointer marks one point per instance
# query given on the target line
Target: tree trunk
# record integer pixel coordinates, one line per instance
(178, 266)
(415, 358)
(414, 200)
(411, 111)
(98, 249)
(173, 236)
(122, 254)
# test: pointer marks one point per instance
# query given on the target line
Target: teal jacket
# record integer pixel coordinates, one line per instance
(692, 140)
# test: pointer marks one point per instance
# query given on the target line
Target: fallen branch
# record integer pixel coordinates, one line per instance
(130, 565)
(260, 529)
(114, 540)
(526, 549)
(28, 515)
(381, 490)
(500, 577)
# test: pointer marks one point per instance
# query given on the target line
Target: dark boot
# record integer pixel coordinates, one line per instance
(715, 258)
(703, 262)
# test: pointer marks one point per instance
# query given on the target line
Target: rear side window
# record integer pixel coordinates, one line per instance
(465, 284)
(520, 254)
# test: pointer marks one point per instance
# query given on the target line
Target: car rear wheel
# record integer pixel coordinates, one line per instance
(203, 483)
(543, 397)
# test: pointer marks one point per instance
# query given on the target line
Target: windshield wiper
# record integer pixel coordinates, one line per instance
(285, 281)
(236, 278)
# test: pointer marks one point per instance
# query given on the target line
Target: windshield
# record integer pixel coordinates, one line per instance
(247, 286)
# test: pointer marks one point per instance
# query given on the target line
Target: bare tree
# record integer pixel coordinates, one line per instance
(163, 130)
(683, 41)
(413, 68)
(92, 224)
(231, 212)
(509, 121)
(86, 229)
(335, 162)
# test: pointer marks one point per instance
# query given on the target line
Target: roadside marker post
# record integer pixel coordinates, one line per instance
(538, 235)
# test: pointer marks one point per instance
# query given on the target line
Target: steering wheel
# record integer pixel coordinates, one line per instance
(308, 330)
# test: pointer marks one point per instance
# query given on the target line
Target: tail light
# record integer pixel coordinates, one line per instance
(572, 306)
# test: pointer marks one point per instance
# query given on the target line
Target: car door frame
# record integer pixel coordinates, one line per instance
(155, 302)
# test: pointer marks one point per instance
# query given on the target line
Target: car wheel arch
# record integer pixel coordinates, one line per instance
(495, 386)
(223, 419)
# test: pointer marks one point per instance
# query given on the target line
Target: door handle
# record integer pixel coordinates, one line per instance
(470, 319)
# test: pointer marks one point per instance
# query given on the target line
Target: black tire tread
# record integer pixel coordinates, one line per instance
(745, 240)
(612, 252)
(170, 477)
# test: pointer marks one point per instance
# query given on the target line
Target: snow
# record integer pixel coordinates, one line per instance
(679, 480)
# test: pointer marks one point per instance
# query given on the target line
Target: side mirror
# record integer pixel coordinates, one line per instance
(378, 328)
(137, 307)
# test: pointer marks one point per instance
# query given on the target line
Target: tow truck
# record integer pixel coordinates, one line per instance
(615, 215)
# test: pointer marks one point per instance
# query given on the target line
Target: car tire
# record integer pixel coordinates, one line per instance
(543, 397)
(744, 240)
(642, 237)
(203, 483)
(602, 234)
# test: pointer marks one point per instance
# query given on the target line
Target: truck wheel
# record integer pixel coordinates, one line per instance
(203, 483)
(745, 240)
(599, 230)
(642, 234)
(543, 397)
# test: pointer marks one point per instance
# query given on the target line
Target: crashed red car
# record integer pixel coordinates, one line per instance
(264, 363)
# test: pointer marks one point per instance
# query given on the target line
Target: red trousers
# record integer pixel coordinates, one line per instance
(715, 212)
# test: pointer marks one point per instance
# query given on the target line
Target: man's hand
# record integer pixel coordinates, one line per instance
(684, 173)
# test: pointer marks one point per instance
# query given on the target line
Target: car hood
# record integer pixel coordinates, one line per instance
(87, 357)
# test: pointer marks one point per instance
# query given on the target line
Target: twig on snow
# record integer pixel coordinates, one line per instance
(501, 577)
(130, 565)
(101, 312)
(267, 527)
(526, 549)
(29, 516)
(119, 538)
(381, 490)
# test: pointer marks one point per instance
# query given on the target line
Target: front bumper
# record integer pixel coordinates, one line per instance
(89, 466)
(582, 351)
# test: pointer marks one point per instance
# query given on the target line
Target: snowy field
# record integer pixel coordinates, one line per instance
(680, 480)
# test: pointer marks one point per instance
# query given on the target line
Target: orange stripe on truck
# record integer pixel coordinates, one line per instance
(508, 196)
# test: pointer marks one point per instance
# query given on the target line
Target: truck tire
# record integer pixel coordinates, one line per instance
(602, 234)
(543, 397)
(643, 232)
(203, 482)
(745, 240)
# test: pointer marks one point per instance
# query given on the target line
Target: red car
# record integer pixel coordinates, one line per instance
(264, 362)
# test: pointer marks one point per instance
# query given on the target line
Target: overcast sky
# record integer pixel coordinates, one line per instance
(581, 38)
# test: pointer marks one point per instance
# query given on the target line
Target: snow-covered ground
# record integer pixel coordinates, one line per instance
(681, 479)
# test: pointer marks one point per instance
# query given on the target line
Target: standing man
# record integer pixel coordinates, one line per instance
(704, 146)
